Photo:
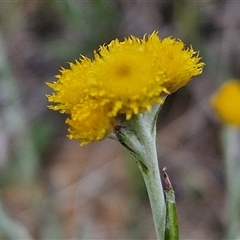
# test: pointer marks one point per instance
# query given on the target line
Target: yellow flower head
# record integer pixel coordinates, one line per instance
(124, 78)
(226, 102)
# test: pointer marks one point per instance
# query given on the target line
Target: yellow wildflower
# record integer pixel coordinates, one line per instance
(226, 102)
(125, 78)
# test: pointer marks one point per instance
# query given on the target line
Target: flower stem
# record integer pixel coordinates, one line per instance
(138, 135)
(230, 141)
(152, 181)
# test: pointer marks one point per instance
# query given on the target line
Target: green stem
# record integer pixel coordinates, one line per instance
(152, 181)
(230, 141)
(138, 135)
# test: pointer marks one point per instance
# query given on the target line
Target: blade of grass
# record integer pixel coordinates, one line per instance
(171, 230)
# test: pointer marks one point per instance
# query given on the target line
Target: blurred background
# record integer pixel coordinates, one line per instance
(50, 187)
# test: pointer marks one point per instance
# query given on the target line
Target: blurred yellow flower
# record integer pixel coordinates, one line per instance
(125, 78)
(226, 102)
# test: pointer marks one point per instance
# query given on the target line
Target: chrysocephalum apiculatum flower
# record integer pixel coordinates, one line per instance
(226, 102)
(124, 78)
